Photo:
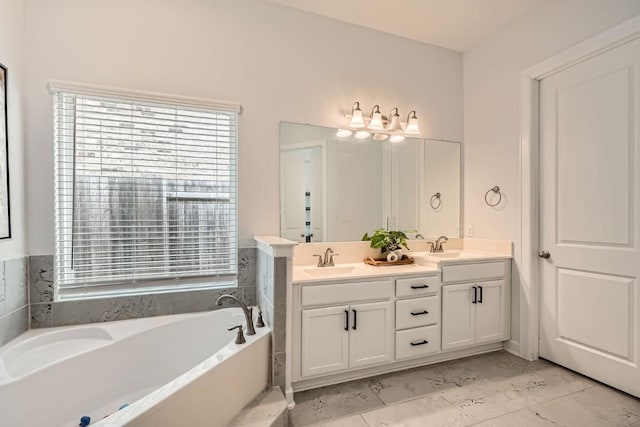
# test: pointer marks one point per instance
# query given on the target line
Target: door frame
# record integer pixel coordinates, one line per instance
(529, 162)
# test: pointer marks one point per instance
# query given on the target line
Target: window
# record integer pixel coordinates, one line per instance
(145, 193)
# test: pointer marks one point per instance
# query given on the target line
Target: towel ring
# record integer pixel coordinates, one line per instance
(435, 201)
(496, 190)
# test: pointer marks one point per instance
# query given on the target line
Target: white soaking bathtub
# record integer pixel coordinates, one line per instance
(178, 370)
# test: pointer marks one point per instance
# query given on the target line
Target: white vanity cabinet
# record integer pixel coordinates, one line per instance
(477, 311)
(346, 336)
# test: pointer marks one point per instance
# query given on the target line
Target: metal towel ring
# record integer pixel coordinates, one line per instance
(435, 201)
(496, 190)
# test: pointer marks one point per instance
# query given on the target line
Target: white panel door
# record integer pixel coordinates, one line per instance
(458, 316)
(490, 312)
(590, 217)
(325, 340)
(371, 337)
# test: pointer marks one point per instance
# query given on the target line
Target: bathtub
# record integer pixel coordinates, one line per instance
(178, 370)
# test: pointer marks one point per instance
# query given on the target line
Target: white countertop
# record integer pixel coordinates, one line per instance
(425, 263)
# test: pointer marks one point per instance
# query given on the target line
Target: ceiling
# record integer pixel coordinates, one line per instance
(454, 24)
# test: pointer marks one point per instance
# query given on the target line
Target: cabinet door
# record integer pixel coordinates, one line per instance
(490, 312)
(371, 336)
(458, 316)
(325, 340)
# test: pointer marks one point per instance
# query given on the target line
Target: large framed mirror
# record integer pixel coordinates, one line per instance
(336, 188)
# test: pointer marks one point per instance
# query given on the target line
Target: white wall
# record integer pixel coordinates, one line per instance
(12, 56)
(281, 64)
(491, 107)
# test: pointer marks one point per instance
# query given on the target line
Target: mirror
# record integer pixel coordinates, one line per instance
(336, 188)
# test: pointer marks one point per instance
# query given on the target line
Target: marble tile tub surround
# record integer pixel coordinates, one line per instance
(14, 308)
(495, 389)
(273, 264)
(351, 252)
(46, 313)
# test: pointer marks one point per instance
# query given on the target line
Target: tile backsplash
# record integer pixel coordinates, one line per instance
(14, 305)
(44, 312)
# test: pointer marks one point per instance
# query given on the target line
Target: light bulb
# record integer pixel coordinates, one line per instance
(343, 133)
(362, 134)
(396, 138)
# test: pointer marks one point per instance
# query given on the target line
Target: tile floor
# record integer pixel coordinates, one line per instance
(495, 389)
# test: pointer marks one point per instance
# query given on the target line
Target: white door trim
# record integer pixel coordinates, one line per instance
(529, 144)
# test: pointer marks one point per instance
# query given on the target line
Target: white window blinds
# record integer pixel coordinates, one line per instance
(145, 195)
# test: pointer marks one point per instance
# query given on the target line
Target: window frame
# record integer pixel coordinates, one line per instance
(119, 287)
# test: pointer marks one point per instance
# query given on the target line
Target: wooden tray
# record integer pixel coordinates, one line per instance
(384, 263)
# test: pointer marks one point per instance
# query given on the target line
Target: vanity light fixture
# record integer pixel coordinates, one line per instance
(412, 124)
(376, 119)
(362, 134)
(343, 133)
(381, 125)
(357, 121)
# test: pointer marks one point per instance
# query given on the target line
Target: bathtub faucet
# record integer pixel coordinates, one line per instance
(248, 312)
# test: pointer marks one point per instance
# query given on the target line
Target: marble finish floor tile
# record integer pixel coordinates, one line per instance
(426, 411)
(496, 389)
(333, 402)
(352, 421)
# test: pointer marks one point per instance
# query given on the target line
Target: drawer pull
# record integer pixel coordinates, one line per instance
(419, 313)
(346, 317)
(423, 342)
(355, 320)
(475, 295)
(419, 286)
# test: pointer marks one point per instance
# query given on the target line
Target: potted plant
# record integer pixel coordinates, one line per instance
(388, 241)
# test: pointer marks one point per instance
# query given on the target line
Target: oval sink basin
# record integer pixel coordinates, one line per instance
(446, 254)
(329, 271)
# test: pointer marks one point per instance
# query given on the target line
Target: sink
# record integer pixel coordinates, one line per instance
(329, 271)
(445, 254)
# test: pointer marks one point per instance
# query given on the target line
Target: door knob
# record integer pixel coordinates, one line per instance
(544, 254)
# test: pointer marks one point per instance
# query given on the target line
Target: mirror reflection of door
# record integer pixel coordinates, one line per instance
(301, 200)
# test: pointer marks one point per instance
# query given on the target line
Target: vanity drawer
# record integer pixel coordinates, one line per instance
(473, 272)
(417, 342)
(411, 313)
(341, 293)
(417, 286)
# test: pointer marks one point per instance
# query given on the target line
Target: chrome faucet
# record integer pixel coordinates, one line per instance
(437, 247)
(248, 311)
(328, 258)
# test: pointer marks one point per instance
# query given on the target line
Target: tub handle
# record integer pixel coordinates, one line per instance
(240, 337)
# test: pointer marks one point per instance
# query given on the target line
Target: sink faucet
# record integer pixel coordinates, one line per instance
(328, 258)
(437, 247)
(248, 311)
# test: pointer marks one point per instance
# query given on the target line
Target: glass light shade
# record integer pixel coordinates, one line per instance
(362, 134)
(357, 122)
(380, 136)
(343, 133)
(394, 123)
(376, 119)
(396, 138)
(412, 124)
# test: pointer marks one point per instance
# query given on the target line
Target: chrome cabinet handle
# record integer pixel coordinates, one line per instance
(544, 254)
